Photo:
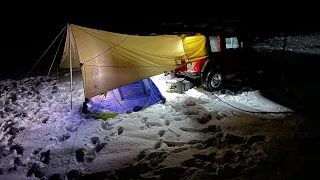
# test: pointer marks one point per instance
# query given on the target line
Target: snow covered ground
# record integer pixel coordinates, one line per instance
(194, 135)
(302, 43)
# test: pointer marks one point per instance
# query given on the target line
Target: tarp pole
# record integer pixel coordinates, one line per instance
(70, 67)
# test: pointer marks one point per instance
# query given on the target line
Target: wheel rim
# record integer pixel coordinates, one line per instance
(216, 80)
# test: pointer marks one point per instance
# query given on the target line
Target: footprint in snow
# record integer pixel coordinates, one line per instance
(178, 150)
(167, 122)
(178, 119)
(120, 130)
(106, 126)
(144, 119)
(45, 157)
(220, 116)
(161, 133)
(100, 146)
(95, 140)
(176, 134)
(71, 128)
(80, 155)
(190, 103)
(157, 145)
(19, 149)
(191, 112)
(63, 137)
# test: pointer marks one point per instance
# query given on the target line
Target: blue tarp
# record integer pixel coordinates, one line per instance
(132, 97)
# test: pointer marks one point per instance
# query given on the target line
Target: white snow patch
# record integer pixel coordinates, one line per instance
(39, 119)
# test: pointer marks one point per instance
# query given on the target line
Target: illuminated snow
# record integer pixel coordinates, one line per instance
(43, 110)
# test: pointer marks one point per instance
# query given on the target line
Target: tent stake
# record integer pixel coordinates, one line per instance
(70, 68)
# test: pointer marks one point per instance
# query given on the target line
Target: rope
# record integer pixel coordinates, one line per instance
(99, 104)
(74, 141)
(45, 52)
(55, 54)
(253, 112)
(106, 50)
(25, 132)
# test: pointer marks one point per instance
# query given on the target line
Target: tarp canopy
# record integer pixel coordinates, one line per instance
(110, 60)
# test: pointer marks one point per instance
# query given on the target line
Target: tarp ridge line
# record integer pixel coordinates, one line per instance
(107, 50)
(114, 45)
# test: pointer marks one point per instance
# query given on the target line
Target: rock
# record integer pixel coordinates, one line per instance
(234, 139)
(255, 138)
(1, 171)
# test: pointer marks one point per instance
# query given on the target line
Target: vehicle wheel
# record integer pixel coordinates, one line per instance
(204, 82)
(214, 80)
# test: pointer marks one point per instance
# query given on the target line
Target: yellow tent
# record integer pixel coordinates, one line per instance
(111, 60)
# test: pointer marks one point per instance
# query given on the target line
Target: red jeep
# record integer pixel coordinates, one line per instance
(224, 63)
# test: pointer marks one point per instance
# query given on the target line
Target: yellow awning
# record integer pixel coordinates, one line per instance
(111, 60)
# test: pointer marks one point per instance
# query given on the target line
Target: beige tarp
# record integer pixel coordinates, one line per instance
(111, 60)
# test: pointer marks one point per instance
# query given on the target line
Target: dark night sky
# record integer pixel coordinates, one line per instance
(27, 32)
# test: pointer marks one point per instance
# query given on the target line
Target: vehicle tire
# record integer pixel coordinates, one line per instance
(204, 74)
(204, 84)
(214, 80)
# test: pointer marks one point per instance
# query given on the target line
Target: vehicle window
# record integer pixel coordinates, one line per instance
(214, 43)
(232, 43)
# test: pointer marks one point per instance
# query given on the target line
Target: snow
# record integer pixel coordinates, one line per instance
(302, 43)
(36, 119)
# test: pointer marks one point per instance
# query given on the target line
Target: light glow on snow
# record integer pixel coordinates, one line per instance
(37, 114)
